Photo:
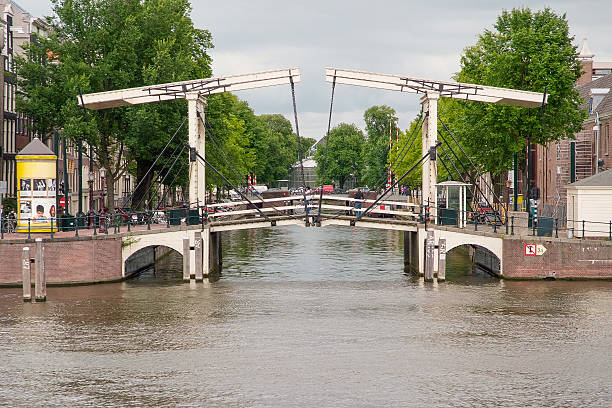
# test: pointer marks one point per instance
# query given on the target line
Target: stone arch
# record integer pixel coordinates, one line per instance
(144, 258)
(131, 244)
(484, 257)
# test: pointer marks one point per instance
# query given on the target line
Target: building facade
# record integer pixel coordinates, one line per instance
(557, 164)
(18, 28)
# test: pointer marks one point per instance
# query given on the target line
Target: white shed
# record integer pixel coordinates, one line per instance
(590, 200)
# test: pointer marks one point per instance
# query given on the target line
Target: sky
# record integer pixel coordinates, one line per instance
(404, 37)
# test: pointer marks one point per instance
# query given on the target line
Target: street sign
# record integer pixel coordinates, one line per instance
(62, 202)
(534, 250)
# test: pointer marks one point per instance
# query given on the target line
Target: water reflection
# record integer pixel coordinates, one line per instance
(310, 317)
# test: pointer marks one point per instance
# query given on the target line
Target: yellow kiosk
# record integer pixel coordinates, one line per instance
(37, 188)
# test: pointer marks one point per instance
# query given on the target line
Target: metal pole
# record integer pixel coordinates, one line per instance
(515, 182)
(80, 176)
(512, 230)
(66, 199)
(582, 229)
(57, 183)
(572, 162)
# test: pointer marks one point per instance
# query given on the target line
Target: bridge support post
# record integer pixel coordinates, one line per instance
(429, 137)
(411, 251)
(215, 252)
(197, 187)
(441, 259)
(429, 256)
(197, 246)
(186, 259)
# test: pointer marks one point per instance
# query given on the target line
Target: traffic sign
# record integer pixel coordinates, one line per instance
(534, 250)
(62, 202)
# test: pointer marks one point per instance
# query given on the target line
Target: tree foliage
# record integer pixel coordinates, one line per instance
(344, 157)
(106, 45)
(526, 50)
(376, 149)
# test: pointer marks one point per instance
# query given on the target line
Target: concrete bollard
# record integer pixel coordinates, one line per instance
(197, 245)
(441, 260)
(40, 279)
(429, 256)
(26, 280)
(186, 256)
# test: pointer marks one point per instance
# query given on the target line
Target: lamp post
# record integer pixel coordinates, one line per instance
(91, 212)
(103, 225)
(103, 186)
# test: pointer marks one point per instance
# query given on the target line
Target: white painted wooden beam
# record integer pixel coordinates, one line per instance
(446, 89)
(179, 90)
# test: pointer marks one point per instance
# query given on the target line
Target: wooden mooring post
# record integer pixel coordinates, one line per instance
(197, 246)
(186, 259)
(40, 278)
(429, 256)
(441, 260)
(25, 269)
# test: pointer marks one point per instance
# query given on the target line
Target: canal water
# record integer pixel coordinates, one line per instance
(318, 317)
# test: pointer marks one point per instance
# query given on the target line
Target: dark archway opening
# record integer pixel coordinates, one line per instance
(472, 263)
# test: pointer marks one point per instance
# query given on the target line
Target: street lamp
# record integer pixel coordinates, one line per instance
(103, 186)
(103, 226)
(91, 212)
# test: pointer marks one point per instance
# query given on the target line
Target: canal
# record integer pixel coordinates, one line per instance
(319, 317)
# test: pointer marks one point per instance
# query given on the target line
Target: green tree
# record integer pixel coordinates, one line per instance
(376, 150)
(344, 156)
(106, 45)
(526, 50)
(277, 150)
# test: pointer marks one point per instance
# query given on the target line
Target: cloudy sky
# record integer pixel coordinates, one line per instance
(416, 38)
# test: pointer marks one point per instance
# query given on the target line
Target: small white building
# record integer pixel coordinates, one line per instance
(590, 200)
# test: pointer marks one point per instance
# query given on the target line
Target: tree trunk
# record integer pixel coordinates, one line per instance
(143, 183)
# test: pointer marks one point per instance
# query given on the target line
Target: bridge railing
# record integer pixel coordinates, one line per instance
(295, 206)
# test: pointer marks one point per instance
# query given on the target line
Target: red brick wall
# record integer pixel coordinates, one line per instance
(76, 261)
(562, 259)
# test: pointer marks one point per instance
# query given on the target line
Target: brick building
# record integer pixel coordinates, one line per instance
(591, 149)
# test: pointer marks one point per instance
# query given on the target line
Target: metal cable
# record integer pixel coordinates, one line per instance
(131, 196)
(331, 106)
(469, 159)
(227, 161)
(231, 184)
(299, 147)
(425, 156)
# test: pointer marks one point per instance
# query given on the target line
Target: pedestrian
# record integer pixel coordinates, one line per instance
(358, 204)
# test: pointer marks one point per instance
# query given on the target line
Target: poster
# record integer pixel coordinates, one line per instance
(25, 187)
(40, 188)
(25, 210)
(51, 186)
(43, 210)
